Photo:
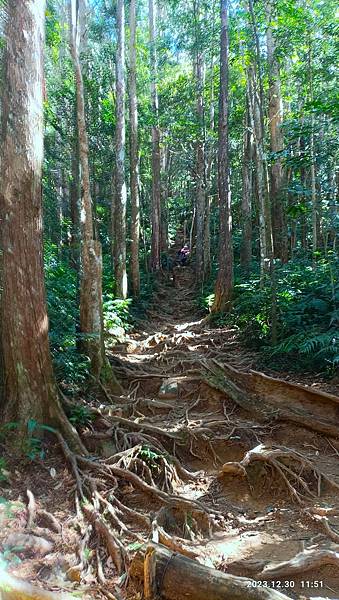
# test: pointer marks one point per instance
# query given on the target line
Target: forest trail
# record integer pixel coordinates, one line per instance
(167, 368)
(200, 454)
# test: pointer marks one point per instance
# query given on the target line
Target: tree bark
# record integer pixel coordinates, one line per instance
(256, 95)
(156, 183)
(200, 152)
(265, 223)
(275, 112)
(246, 203)
(224, 283)
(91, 318)
(120, 135)
(162, 571)
(134, 153)
(28, 390)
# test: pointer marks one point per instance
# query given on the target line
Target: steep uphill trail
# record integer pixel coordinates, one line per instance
(202, 464)
(266, 449)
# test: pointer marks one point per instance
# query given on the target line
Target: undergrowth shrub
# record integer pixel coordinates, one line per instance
(307, 302)
(63, 309)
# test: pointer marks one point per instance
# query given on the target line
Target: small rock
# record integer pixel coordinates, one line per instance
(27, 544)
(169, 389)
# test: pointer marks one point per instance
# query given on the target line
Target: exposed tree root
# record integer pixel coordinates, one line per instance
(41, 516)
(115, 549)
(296, 471)
(308, 560)
(273, 399)
(324, 525)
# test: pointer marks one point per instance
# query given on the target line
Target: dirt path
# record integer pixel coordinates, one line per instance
(162, 366)
(216, 473)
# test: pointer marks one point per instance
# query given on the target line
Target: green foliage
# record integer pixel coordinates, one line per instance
(33, 445)
(308, 318)
(80, 415)
(3, 470)
(62, 299)
(149, 456)
(117, 319)
(31, 441)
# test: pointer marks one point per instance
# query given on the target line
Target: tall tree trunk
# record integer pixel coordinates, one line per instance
(134, 153)
(200, 151)
(224, 284)
(28, 390)
(275, 111)
(246, 203)
(315, 238)
(167, 160)
(156, 183)
(209, 168)
(265, 224)
(257, 116)
(120, 184)
(91, 318)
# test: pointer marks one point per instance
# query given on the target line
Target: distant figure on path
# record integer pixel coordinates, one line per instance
(183, 255)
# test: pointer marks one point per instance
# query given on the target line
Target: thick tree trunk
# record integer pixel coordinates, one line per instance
(246, 203)
(91, 320)
(224, 284)
(156, 183)
(120, 184)
(275, 111)
(134, 153)
(162, 571)
(28, 391)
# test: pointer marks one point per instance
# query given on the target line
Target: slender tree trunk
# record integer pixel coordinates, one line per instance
(276, 144)
(164, 196)
(315, 239)
(91, 318)
(303, 181)
(209, 169)
(246, 203)
(28, 391)
(200, 152)
(257, 120)
(156, 183)
(134, 153)
(224, 284)
(120, 184)
(265, 224)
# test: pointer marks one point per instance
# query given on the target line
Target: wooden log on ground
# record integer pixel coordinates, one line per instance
(171, 576)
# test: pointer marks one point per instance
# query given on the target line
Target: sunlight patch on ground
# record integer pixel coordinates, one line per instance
(234, 546)
(184, 326)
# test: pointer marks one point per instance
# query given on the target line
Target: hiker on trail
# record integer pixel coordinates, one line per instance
(183, 255)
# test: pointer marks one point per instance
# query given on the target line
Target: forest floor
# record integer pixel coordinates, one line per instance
(236, 484)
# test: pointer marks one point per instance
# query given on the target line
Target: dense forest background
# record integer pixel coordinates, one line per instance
(282, 152)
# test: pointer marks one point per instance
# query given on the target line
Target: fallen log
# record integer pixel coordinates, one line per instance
(169, 576)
